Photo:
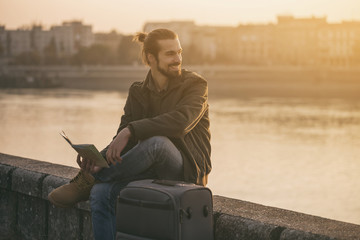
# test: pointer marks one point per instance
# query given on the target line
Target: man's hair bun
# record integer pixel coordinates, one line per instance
(140, 37)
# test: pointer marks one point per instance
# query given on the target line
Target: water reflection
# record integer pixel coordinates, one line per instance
(299, 154)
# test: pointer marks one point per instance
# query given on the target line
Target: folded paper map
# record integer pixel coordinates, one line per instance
(88, 151)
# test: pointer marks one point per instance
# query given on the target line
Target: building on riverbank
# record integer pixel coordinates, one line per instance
(62, 40)
(290, 41)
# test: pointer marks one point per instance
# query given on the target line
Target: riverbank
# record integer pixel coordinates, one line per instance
(25, 212)
(232, 81)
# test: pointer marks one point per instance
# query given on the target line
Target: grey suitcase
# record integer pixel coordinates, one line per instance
(161, 209)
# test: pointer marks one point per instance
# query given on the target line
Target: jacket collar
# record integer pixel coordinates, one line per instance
(173, 82)
(143, 95)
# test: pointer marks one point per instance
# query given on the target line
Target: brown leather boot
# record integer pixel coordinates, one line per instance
(77, 190)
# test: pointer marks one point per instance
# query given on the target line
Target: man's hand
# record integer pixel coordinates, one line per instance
(113, 153)
(86, 164)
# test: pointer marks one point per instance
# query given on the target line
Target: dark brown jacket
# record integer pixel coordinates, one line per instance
(182, 115)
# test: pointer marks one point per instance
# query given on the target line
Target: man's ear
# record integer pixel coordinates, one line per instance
(151, 58)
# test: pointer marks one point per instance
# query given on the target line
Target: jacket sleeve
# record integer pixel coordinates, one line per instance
(182, 119)
(125, 119)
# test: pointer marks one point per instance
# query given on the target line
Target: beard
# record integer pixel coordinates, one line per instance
(168, 73)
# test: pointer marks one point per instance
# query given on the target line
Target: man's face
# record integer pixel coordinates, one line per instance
(169, 58)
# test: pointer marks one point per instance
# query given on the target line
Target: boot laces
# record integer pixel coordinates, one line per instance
(82, 180)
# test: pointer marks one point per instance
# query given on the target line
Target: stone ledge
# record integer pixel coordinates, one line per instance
(25, 184)
(5, 176)
(38, 166)
(296, 234)
(8, 213)
(234, 227)
(293, 223)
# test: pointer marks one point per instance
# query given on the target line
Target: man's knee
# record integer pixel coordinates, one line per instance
(158, 142)
(158, 139)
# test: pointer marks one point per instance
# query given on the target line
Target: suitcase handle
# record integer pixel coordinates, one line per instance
(166, 182)
(146, 204)
(171, 183)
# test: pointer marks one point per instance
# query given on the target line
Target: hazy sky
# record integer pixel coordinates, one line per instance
(130, 16)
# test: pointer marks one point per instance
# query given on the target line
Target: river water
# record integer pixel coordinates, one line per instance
(291, 153)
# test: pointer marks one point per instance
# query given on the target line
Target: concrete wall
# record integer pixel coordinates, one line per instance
(25, 212)
(224, 81)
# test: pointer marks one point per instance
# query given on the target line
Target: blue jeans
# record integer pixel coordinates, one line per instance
(155, 157)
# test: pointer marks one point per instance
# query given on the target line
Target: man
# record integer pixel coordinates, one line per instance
(163, 134)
